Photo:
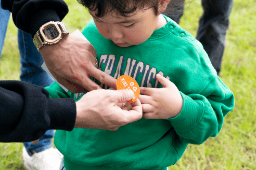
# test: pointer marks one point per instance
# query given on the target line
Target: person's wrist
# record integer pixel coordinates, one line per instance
(53, 46)
(177, 108)
(179, 105)
(78, 122)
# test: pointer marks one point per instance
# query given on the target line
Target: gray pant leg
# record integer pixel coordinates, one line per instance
(212, 30)
(175, 10)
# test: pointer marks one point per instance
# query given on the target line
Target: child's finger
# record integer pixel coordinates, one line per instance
(164, 81)
(146, 91)
(145, 99)
(146, 108)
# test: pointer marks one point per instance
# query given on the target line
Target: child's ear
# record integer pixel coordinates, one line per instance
(163, 5)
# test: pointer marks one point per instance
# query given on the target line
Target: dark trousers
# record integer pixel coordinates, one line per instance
(213, 25)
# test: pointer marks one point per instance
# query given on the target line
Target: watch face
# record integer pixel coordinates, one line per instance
(51, 32)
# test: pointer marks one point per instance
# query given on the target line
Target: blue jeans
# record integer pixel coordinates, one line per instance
(213, 26)
(4, 19)
(31, 72)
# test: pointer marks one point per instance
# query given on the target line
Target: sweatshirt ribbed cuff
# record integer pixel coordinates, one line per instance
(40, 18)
(189, 116)
(62, 113)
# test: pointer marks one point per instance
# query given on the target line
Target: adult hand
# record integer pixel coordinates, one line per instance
(161, 103)
(71, 61)
(99, 109)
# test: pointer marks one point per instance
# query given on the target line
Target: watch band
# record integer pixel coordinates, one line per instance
(38, 39)
(63, 28)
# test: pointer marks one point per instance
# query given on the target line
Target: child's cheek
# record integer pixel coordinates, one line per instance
(103, 30)
(136, 38)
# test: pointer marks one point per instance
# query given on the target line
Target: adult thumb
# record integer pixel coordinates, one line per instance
(123, 96)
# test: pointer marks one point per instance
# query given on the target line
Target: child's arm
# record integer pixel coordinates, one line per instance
(201, 116)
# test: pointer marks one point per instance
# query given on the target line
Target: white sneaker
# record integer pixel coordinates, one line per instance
(49, 159)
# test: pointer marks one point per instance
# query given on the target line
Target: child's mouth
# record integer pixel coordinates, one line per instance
(120, 44)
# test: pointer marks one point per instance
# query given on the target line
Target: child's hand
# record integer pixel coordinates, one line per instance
(161, 103)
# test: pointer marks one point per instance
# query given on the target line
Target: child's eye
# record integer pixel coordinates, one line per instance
(128, 26)
(98, 20)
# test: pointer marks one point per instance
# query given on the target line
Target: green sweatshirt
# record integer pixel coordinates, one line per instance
(150, 144)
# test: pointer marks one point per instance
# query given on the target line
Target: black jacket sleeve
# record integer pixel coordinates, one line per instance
(30, 15)
(26, 112)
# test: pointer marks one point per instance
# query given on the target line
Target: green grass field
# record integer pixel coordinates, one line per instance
(234, 148)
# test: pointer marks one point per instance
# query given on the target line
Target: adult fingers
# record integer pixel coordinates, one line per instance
(126, 106)
(104, 78)
(135, 113)
(121, 96)
(90, 85)
(83, 80)
(120, 105)
(137, 106)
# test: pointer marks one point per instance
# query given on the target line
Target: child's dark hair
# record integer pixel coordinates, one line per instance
(124, 7)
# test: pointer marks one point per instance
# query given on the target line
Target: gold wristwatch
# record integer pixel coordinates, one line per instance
(49, 33)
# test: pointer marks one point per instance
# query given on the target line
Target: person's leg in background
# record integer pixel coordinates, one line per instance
(41, 155)
(4, 19)
(212, 30)
(175, 10)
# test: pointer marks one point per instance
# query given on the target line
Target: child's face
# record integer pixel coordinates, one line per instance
(134, 29)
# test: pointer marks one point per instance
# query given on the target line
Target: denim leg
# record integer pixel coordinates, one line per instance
(43, 144)
(212, 30)
(31, 61)
(175, 10)
(31, 71)
(4, 19)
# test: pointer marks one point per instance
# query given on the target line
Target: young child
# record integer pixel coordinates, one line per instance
(184, 104)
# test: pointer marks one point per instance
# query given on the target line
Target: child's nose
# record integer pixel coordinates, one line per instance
(114, 32)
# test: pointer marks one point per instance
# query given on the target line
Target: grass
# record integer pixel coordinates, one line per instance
(234, 148)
